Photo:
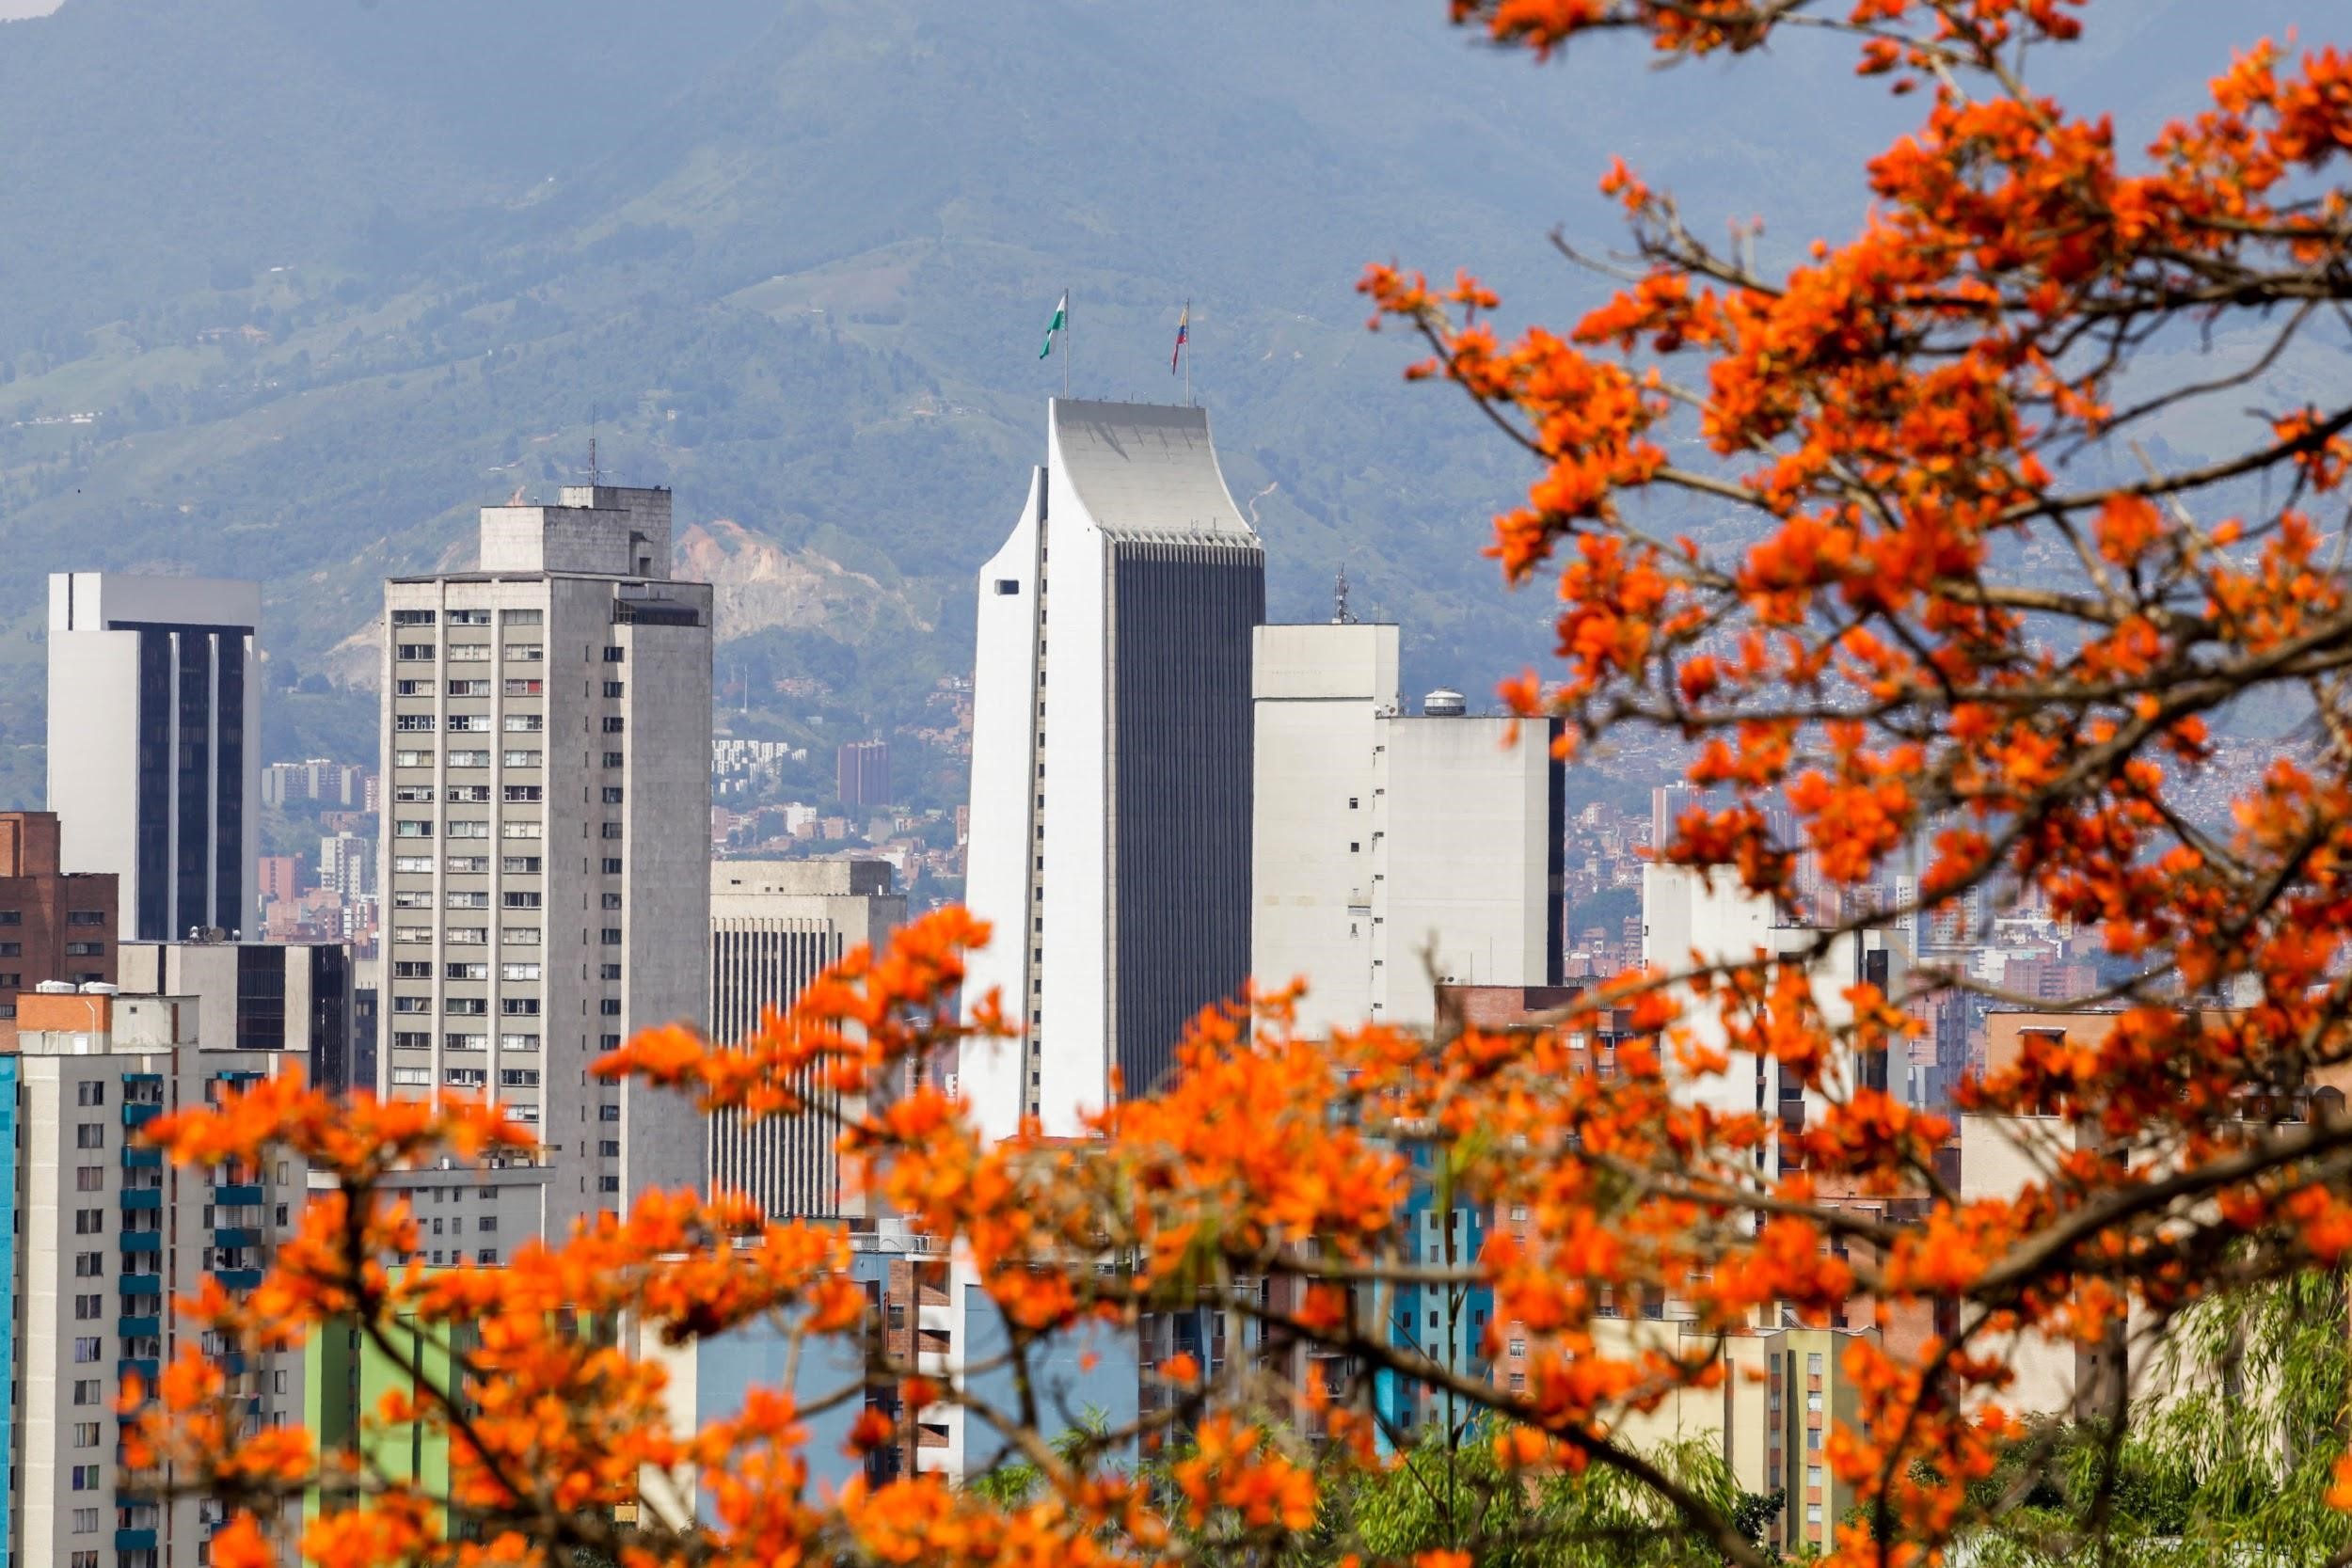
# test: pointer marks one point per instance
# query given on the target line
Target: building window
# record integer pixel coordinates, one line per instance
(522, 795)
(608, 831)
(519, 972)
(613, 759)
(85, 1390)
(614, 655)
(607, 1184)
(521, 617)
(519, 1007)
(85, 917)
(85, 949)
(522, 689)
(520, 758)
(86, 1478)
(609, 1113)
(90, 1134)
(609, 1007)
(412, 617)
(413, 723)
(609, 936)
(88, 1308)
(611, 795)
(608, 972)
(612, 866)
(90, 1094)
(89, 1221)
(89, 1178)
(612, 688)
(86, 1351)
(610, 902)
(613, 724)
(468, 617)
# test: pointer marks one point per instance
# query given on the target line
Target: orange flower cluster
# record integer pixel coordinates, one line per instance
(1969, 620)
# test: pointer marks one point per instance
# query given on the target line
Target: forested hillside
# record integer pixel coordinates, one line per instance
(288, 287)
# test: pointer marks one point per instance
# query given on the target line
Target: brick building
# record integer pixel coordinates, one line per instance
(54, 925)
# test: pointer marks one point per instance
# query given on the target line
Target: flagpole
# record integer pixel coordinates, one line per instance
(1187, 358)
(1066, 318)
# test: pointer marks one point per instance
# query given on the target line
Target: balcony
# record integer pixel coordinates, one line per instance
(238, 1279)
(141, 1159)
(235, 1236)
(139, 1327)
(148, 1369)
(141, 1284)
(135, 1116)
(143, 1241)
(135, 1541)
(237, 1194)
(142, 1200)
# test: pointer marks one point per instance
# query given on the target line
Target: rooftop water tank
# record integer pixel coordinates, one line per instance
(1443, 704)
(98, 988)
(55, 987)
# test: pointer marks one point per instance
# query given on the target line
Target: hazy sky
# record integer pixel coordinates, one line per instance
(11, 9)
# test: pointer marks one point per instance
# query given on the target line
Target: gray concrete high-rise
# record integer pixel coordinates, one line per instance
(1114, 867)
(774, 926)
(546, 859)
(154, 743)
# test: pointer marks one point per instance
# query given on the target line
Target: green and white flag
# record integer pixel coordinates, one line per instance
(1060, 321)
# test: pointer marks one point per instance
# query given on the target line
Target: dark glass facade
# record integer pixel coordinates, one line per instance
(1182, 759)
(191, 784)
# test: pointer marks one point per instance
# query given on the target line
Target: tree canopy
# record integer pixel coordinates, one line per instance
(1976, 611)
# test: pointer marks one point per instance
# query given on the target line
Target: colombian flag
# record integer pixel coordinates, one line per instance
(1184, 330)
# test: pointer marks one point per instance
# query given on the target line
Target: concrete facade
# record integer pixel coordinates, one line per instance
(1113, 865)
(106, 1238)
(546, 864)
(295, 997)
(774, 926)
(154, 744)
(1393, 853)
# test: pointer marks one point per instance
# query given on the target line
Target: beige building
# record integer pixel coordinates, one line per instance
(546, 864)
(107, 1237)
(774, 926)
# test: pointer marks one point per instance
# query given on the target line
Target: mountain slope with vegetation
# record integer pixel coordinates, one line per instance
(292, 286)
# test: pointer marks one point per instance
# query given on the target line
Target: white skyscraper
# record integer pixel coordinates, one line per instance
(774, 926)
(1394, 852)
(1114, 861)
(547, 863)
(154, 753)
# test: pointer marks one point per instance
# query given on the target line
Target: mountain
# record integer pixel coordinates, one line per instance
(288, 287)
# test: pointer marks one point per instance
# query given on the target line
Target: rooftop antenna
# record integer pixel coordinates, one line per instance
(1341, 614)
(592, 446)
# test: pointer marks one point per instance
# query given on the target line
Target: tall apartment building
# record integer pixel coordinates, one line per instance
(774, 926)
(546, 868)
(155, 769)
(1394, 853)
(861, 771)
(105, 1237)
(339, 784)
(53, 925)
(1114, 866)
(291, 997)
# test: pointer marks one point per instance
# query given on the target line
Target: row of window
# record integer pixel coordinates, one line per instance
(471, 1006)
(470, 936)
(512, 758)
(468, 653)
(477, 865)
(468, 617)
(421, 1040)
(463, 899)
(407, 969)
(512, 686)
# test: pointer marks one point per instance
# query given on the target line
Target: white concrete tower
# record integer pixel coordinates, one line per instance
(546, 857)
(1394, 853)
(1114, 861)
(154, 743)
